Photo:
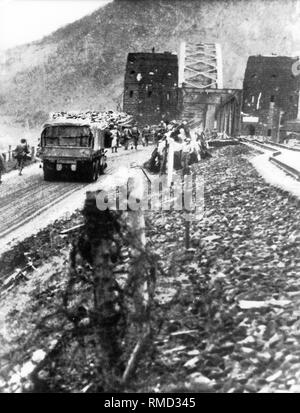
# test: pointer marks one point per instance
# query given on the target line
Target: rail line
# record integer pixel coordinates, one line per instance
(275, 149)
(280, 145)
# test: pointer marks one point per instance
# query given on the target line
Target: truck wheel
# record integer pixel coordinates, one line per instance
(91, 172)
(101, 167)
(49, 175)
(95, 171)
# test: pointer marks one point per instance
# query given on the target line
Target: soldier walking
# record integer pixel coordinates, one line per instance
(126, 138)
(114, 142)
(185, 155)
(2, 166)
(135, 133)
(146, 135)
(21, 154)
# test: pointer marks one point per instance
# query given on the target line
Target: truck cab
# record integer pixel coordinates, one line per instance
(72, 149)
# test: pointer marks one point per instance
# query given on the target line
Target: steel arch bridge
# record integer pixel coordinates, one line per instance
(200, 65)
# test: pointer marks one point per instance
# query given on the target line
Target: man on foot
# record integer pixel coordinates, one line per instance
(21, 153)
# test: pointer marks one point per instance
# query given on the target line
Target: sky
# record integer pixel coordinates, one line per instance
(22, 21)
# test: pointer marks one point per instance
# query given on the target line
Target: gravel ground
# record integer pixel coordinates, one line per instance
(227, 314)
(240, 293)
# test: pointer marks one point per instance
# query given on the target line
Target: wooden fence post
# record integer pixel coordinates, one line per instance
(101, 227)
(9, 152)
(140, 274)
(137, 226)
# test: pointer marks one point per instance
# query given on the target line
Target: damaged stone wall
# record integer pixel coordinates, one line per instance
(150, 89)
(270, 95)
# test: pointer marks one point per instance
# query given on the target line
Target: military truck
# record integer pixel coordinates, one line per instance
(72, 148)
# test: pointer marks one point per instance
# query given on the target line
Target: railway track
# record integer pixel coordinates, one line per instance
(275, 151)
(282, 146)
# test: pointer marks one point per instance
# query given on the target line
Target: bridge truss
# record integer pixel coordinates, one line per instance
(200, 65)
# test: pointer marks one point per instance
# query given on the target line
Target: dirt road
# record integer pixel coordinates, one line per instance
(28, 203)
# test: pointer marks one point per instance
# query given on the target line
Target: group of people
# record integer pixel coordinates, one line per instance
(189, 146)
(21, 153)
(128, 136)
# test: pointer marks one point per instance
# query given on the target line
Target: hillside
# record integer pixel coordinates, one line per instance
(81, 65)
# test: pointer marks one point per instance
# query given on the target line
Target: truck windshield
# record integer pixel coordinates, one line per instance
(78, 136)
